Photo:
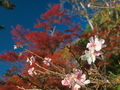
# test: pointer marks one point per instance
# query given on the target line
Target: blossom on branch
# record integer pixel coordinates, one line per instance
(94, 47)
(90, 57)
(47, 61)
(31, 60)
(31, 71)
(95, 44)
(16, 46)
(75, 80)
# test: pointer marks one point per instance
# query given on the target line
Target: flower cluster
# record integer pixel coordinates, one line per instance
(31, 60)
(94, 47)
(31, 71)
(47, 61)
(75, 80)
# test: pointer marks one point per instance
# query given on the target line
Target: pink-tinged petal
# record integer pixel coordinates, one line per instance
(87, 82)
(15, 47)
(92, 49)
(27, 59)
(93, 58)
(30, 62)
(30, 71)
(88, 45)
(89, 60)
(47, 63)
(102, 41)
(98, 53)
(48, 59)
(90, 57)
(96, 38)
(65, 82)
(32, 58)
(91, 40)
(98, 46)
(78, 74)
(81, 82)
(83, 77)
(104, 46)
(76, 87)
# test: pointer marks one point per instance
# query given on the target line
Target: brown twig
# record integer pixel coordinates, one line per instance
(28, 81)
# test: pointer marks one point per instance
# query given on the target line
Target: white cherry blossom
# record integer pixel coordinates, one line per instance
(47, 61)
(31, 60)
(31, 71)
(16, 46)
(75, 80)
(90, 57)
(95, 44)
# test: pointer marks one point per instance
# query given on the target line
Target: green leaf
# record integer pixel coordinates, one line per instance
(118, 88)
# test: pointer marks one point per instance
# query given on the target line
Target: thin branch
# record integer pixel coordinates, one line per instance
(43, 59)
(28, 81)
(89, 21)
(49, 71)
